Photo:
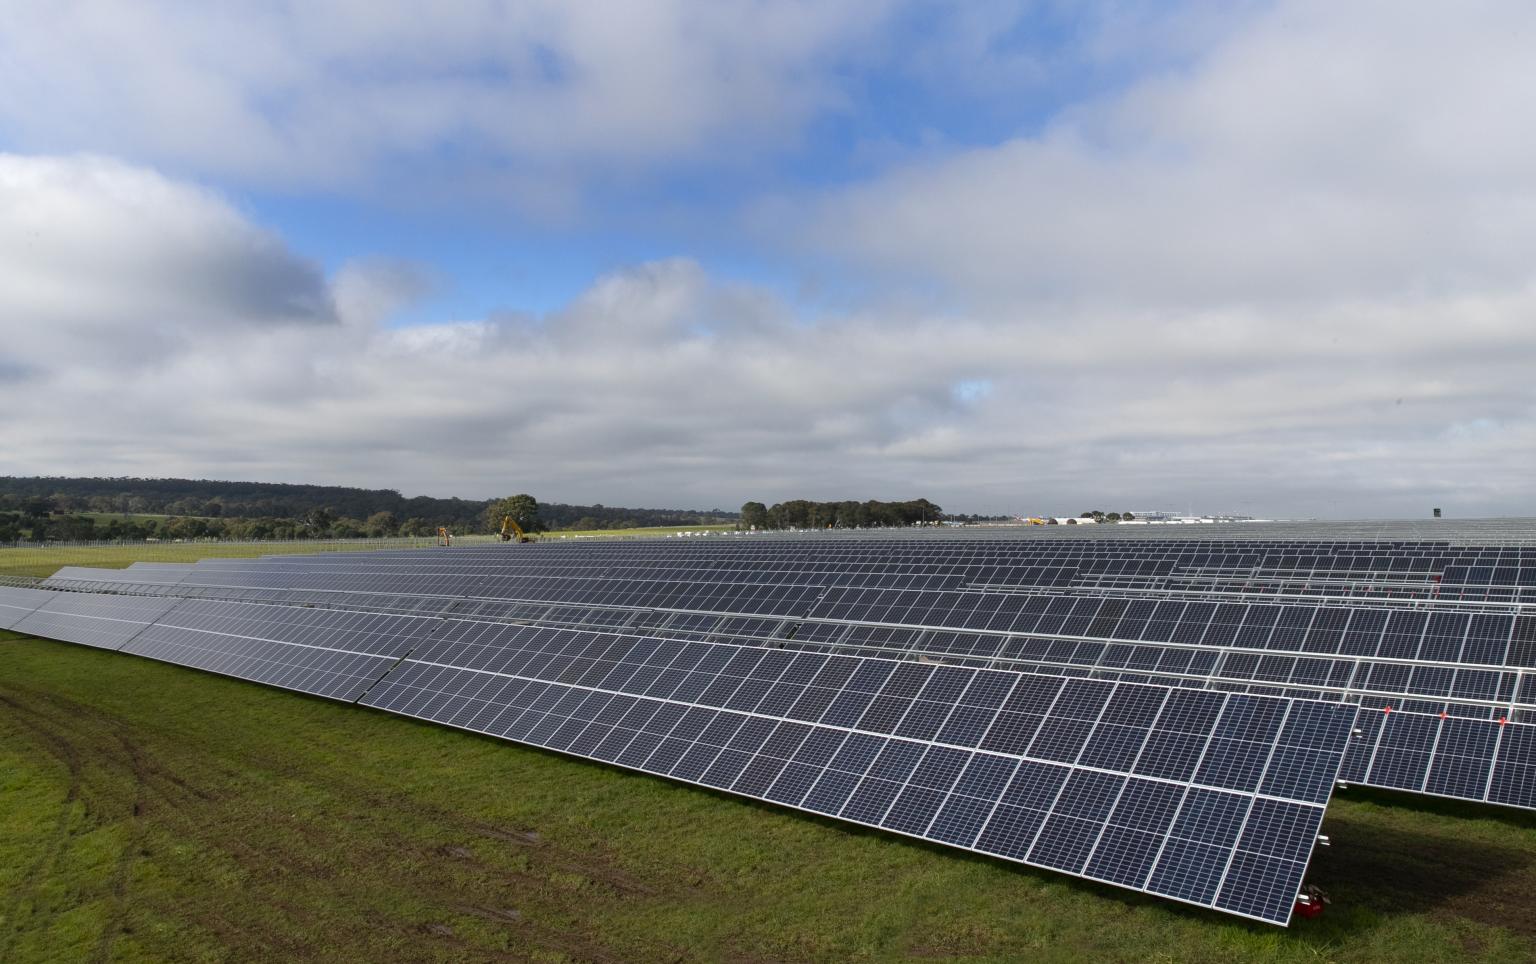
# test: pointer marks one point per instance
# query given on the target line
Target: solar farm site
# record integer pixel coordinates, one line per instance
(1152, 710)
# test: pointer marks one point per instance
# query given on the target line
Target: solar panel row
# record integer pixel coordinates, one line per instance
(1414, 654)
(1209, 798)
(1203, 797)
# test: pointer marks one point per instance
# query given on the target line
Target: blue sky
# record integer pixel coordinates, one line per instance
(888, 111)
(1023, 257)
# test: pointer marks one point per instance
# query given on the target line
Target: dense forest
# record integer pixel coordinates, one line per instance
(56, 509)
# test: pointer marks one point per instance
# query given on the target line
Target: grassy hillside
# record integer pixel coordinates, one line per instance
(157, 813)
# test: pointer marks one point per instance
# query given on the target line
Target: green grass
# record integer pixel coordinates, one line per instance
(45, 561)
(156, 813)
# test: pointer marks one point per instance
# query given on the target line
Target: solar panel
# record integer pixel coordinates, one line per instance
(17, 602)
(1487, 760)
(1204, 797)
(330, 653)
(106, 622)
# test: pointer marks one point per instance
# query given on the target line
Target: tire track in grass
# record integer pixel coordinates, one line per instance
(131, 850)
(26, 889)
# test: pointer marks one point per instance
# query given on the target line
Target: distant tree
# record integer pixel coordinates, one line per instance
(1112, 517)
(415, 526)
(523, 508)
(754, 515)
(345, 528)
(381, 524)
(319, 521)
(260, 529)
(1127, 517)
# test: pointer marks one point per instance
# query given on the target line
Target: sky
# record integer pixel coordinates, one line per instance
(1276, 259)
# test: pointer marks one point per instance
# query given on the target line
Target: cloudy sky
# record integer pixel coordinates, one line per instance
(1275, 258)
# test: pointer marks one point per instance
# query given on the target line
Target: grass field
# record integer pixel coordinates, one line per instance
(45, 561)
(156, 813)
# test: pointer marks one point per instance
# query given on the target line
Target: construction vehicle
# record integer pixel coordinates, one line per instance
(444, 537)
(1034, 521)
(510, 529)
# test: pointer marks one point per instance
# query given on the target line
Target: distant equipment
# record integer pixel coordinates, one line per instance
(1437, 512)
(510, 530)
(444, 537)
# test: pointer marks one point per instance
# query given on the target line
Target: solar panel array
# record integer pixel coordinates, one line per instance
(1168, 715)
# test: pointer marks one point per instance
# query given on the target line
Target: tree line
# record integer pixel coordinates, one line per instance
(804, 514)
(127, 509)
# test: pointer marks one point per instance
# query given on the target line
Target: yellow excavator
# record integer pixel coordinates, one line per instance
(444, 537)
(510, 530)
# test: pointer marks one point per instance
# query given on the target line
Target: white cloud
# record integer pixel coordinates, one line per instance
(658, 381)
(99, 259)
(328, 92)
(661, 384)
(1322, 152)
